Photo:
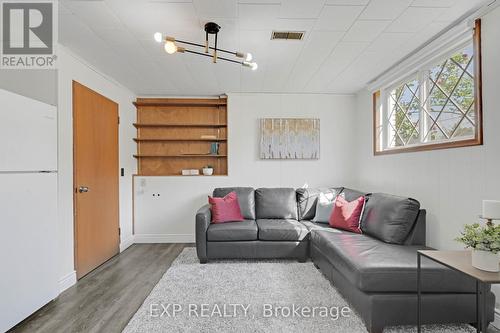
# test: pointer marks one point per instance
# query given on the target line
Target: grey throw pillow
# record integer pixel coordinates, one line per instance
(324, 208)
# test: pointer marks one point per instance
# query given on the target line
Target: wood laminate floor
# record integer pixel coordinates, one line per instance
(107, 298)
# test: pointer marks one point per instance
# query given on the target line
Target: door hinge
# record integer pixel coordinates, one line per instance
(119, 231)
(118, 120)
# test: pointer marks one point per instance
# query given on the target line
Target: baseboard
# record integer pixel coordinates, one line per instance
(496, 321)
(163, 238)
(67, 281)
(124, 244)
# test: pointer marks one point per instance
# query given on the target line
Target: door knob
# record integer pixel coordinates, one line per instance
(83, 189)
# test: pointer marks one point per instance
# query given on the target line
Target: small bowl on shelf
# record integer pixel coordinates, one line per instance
(207, 171)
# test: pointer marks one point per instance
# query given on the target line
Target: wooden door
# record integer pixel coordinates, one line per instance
(95, 131)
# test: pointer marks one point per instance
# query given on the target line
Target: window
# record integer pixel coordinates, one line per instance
(438, 106)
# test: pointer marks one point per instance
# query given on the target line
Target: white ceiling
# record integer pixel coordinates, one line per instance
(346, 44)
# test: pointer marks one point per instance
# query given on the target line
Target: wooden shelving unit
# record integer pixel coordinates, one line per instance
(171, 135)
(179, 140)
(136, 125)
(180, 156)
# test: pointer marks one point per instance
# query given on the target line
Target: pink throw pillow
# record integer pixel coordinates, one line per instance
(346, 215)
(226, 209)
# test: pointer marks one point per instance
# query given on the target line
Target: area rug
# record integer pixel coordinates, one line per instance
(250, 296)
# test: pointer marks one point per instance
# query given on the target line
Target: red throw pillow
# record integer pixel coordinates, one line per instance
(346, 215)
(226, 209)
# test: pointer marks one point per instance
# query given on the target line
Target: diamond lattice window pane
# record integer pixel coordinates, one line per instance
(436, 102)
(449, 119)
(435, 134)
(465, 129)
(436, 71)
(451, 98)
(464, 57)
(404, 115)
(449, 77)
(463, 95)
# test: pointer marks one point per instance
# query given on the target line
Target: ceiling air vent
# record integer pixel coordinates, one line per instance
(288, 35)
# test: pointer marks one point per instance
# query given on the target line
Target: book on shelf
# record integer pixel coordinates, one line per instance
(190, 172)
(214, 148)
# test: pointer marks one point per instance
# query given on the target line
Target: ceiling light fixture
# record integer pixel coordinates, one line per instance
(211, 28)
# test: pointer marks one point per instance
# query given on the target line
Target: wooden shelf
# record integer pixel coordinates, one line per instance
(136, 125)
(181, 156)
(179, 140)
(210, 102)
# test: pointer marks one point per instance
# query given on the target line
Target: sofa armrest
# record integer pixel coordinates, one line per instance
(203, 218)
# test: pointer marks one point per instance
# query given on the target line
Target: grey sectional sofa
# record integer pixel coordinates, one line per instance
(375, 271)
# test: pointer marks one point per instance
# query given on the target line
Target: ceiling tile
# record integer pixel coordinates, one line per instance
(414, 19)
(282, 56)
(388, 41)
(93, 13)
(384, 9)
(217, 8)
(365, 31)
(432, 3)
(342, 56)
(317, 48)
(347, 2)
(294, 24)
(260, 2)
(337, 18)
(459, 8)
(116, 36)
(169, 18)
(258, 17)
(301, 8)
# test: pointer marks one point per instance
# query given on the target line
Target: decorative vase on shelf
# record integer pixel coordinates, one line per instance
(207, 171)
(486, 260)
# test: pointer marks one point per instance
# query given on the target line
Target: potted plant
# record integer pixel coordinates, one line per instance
(485, 244)
(208, 170)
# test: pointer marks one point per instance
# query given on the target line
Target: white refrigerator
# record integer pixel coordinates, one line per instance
(28, 207)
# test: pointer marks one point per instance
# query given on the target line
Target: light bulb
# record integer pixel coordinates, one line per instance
(158, 37)
(170, 47)
(254, 66)
(249, 57)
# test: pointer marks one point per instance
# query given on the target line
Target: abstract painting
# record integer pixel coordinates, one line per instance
(289, 138)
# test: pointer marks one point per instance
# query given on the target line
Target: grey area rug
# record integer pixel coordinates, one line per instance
(250, 296)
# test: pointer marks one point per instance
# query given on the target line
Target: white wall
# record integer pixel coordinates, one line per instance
(449, 183)
(72, 68)
(39, 84)
(170, 217)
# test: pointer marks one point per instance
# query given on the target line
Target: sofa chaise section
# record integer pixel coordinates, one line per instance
(378, 278)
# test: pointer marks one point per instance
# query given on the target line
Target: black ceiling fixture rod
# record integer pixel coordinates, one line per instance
(210, 28)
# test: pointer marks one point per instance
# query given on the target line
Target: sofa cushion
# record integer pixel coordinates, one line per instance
(388, 217)
(351, 195)
(275, 203)
(375, 266)
(307, 198)
(246, 198)
(346, 215)
(310, 225)
(232, 231)
(225, 209)
(281, 230)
